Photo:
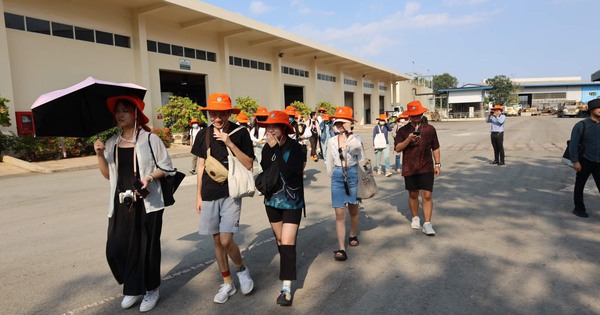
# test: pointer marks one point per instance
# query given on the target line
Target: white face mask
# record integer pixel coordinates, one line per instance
(195, 126)
(381, 122)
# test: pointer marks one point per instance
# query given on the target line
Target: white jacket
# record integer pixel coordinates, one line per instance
(154, 200)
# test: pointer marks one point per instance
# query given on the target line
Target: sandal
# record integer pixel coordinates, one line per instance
(353, 241)
(340, 255)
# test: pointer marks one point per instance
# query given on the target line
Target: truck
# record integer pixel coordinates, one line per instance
(570, 108)
(513, 110)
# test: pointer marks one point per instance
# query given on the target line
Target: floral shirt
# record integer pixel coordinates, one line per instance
(417, 158)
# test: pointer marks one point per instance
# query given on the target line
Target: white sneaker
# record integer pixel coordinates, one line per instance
(150, 300)
(388, 173)
(225, 292)
(246, 283)
(129, 300)
(416, 223)
(428, 229)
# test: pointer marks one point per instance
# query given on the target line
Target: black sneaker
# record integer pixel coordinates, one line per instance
(581, 214)
(284, 298)
(494, 162)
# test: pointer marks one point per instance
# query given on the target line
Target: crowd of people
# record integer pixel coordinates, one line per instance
(279, 143)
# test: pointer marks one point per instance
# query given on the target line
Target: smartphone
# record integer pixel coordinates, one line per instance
(138, 187)
(416, 132)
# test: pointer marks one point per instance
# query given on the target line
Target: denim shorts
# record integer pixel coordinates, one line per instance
(339, 199)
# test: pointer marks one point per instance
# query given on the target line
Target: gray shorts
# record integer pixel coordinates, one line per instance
(220, 216)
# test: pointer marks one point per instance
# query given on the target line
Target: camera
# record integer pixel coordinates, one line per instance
(127, 197)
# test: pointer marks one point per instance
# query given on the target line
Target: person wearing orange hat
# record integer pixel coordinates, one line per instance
(399, 123)
(242, 119)
(496, 118)
(344, 153)
(284, 209)
(326, 133)
(381, 145)
(420, 149)
(302, 133)
(257, 134)
(196, 126)
(136, 204)
(219, 213)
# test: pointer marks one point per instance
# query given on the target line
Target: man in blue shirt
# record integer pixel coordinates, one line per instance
(497, 119)
(589, 161)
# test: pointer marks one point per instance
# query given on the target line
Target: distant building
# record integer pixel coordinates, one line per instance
(177, 47)
(470, 101)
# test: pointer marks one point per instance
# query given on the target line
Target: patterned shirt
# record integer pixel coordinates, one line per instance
(417, 158)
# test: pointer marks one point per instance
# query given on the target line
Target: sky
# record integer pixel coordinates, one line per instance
(471, 40)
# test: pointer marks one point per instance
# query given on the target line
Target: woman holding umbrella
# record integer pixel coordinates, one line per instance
(136, 204)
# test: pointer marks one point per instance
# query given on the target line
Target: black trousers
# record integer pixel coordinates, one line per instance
(133, 248)
(498, 144)
(587, 168)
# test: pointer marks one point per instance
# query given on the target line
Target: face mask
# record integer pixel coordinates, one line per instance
(195, 126)
(291, 120)
(381, 122)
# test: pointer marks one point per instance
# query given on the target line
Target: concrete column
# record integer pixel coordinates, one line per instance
(277, 87)
(311, 91)
(6, 86)
(223, 83)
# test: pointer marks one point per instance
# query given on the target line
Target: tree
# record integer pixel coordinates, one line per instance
(444, 81)
(178, 113)
(504, 91)
(4, 114)
(247, 105)
(301, 108)
(441, 82)
(330, 108)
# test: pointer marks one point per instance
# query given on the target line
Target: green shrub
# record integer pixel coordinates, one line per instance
(302, 108)
(4, 113)
(178, 113)
(327, 105)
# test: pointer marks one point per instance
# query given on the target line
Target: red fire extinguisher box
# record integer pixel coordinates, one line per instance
(24, 123)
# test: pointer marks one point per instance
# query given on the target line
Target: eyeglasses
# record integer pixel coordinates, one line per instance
(341, 152)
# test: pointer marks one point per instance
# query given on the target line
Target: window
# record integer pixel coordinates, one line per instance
(151, 46)
(104, 38)
(177, 50)
(211, 56)
(38, 26)
(246, 63)
(164, 48)
(122, 41)
(201, 54)
(84, 34)
(190, 52)
(14, 21)
(62, 30)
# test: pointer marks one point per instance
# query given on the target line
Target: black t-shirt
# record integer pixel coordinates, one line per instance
(212, 190)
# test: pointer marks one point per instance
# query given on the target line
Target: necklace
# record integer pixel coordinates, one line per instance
(132, 140)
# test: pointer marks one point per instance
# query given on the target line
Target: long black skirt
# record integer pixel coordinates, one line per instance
(133, 247)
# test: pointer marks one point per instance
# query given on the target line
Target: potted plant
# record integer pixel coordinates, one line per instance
(178, 113)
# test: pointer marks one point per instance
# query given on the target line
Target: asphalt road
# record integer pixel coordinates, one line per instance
(506, 240)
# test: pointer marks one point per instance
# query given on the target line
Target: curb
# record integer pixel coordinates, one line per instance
(25, 165)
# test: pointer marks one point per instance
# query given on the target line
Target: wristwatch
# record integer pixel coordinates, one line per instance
(438, 165)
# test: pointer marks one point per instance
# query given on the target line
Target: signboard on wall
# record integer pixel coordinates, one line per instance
(184, 64)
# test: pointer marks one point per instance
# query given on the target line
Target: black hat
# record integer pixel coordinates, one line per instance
(594, 104)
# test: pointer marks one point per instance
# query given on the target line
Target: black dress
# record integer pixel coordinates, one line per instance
(133, 240)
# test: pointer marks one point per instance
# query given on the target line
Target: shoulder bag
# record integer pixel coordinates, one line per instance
(213, 167)
(367, 188)
(168, 184)
(379, 141)
(240, 180)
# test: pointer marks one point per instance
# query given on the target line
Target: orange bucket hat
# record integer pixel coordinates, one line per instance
(414, 108)
(194, 120)
(325, 117)
(343, 114)
(498, 107)
(322, 109)
(382, 117)
(220, 102)
(111, 102)
(277, 117)
(290, 110)
(242, 118)
(261, 111)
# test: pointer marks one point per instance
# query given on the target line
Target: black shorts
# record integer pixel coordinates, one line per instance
(287, 216)
(422, 181)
